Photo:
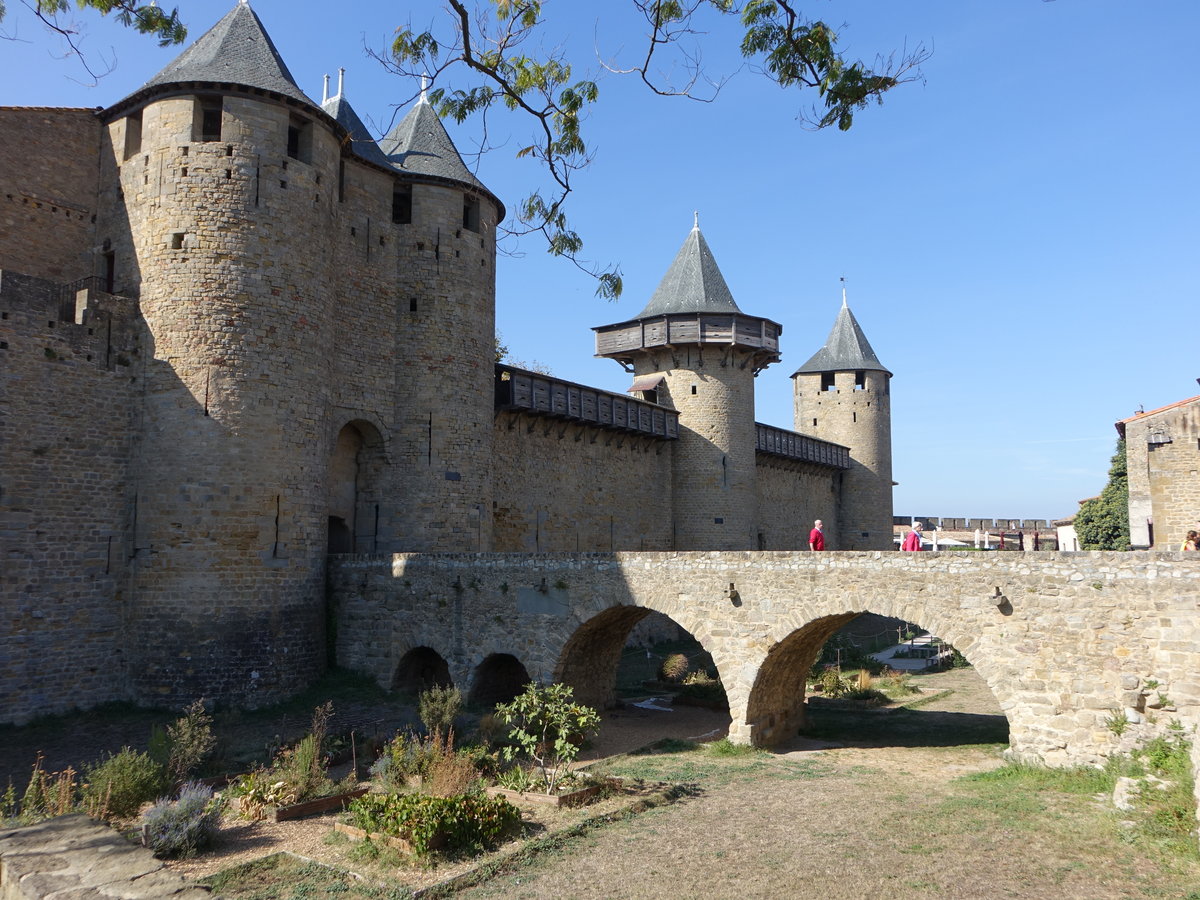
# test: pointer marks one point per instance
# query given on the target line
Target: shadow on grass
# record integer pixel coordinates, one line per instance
(905, 728)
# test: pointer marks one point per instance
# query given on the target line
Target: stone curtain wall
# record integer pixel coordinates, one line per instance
(564, 486)
(48, 190)
(68, 401)
(1069, 641)
(791, 495)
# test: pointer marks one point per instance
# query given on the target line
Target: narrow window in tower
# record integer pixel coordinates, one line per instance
(206, 119)
(854, 417)
(177, 240)
(470, 213)
(110, 272)
(299, 139)
(827, 381)
(860, 380)
(133, 134)
(402, 204)
(693, 390)
(341, 181)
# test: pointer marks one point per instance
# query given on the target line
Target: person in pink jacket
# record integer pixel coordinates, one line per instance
(912, 540)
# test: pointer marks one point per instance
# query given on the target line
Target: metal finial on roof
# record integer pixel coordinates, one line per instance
(696, 219)
(843, 279)
(243, 2)
(341, 81)
(325, 89)
(424, 88)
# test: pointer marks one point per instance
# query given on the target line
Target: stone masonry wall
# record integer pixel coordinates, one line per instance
(48, 182)
(1064, 640)
(222, 243)
(1162, 455)
(567, 486)
(791, 495)
(68, 403)
(859, 418)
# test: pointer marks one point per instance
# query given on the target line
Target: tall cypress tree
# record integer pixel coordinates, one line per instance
(1102, 523)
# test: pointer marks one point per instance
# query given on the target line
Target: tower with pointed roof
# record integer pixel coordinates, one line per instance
(311, 299)
(842, 394)
(694, 348)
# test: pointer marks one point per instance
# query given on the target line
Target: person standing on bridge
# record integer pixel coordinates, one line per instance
(1192, 542)
(912, 540)
(816, 537)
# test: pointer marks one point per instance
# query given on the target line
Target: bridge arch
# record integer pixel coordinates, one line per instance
(500, 678)
(420, 669)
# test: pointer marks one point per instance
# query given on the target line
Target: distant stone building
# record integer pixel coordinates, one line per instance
(237, 335)
(1162, 456)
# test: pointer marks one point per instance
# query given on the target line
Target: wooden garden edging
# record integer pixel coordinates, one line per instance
(571, 798)
(307, 808)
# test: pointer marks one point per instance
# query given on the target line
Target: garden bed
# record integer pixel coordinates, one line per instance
(565, 798)
(305, 808)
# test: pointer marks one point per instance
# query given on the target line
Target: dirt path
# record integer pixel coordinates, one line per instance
(884, 815)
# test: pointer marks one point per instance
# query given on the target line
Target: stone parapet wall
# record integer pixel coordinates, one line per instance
(1065, 641)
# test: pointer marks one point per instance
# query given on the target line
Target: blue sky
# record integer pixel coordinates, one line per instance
(1018, 233)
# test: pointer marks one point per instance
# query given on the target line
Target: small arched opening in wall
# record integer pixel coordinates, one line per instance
(500, 678)
(420, 669)
(830, 678)
(664, 678)
(355, 496)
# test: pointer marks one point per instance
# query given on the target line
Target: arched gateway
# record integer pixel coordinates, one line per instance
(1064, 640)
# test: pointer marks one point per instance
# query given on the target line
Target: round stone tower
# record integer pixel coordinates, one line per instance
(217, 217)
(445, 221)
(694, 350)
(842, 395)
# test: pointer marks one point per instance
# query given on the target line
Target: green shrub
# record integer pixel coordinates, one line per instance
(182, 827)
(116, 787)
(674, 667)
(47, 795)
(548, 726)
(710, 691)
(438, 706)
(190, 741)
(832, 683)
(466, 824)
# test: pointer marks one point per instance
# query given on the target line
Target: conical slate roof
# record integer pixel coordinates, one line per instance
(236, 50)
(846, 349)
(361, 143)
(692, 284)
(420, 145)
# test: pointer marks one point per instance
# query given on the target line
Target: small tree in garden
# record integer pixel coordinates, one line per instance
(547, 725)
(438, 707)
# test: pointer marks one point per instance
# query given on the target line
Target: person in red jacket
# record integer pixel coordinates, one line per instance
(816, 537)
(912, 540)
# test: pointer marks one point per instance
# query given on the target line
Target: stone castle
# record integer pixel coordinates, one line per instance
(238, 335)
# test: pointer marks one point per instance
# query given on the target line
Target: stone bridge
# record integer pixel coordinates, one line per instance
(1065, 641)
